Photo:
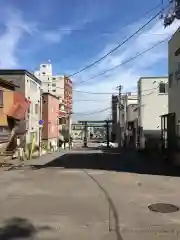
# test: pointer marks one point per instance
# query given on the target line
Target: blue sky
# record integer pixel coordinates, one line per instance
(74, 33)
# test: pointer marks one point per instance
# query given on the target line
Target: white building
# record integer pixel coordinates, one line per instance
(174, 75)
(171, 122)
(50, 83)
(60, 86)
(127, 114)
(152, 103)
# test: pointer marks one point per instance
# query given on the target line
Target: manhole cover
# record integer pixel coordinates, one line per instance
(163, 208)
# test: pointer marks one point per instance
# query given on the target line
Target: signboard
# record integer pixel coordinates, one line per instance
(41, 122)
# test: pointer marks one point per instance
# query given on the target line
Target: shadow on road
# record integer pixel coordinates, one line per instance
(19, 228)
(131, 162)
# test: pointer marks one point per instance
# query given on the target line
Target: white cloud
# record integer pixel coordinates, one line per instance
(14, 28)
(55, 36)
(128, 74)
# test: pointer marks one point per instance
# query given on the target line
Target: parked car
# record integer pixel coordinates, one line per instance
(111, 145)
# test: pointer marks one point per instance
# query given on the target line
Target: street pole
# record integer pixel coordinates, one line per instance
(107, 132)
(85, 134)
(125, 118)
(40, 127)
(69, 130)
(119, 107)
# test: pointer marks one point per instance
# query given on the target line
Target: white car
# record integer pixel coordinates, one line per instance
(111, 145)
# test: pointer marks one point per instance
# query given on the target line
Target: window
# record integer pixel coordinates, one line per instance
(62, 121)
(1, 97)
(31, 109)
(53, 84)
(33, 86)
(170, 80)
(43, 73)
(54, 90)
(36, 108)
(163, 87)
(43, 66)
(177, 52)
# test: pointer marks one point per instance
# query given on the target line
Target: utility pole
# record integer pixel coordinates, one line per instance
(85, 134)
(40, 126)
(119, 107)
(107, 132)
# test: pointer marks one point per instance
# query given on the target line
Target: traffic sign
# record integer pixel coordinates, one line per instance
(41, 122)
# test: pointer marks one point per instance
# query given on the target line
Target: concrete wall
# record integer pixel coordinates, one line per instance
(151, 103)
(132, 113)
(174, 75)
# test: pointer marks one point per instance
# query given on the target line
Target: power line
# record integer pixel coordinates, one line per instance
(117, 47)
(95, 112)
(90, 100)
(135, 19)
(125, 62)
(99, 93)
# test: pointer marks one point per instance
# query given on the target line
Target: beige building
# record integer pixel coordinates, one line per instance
(174, 75)
(61, 86)
(152, 103)
(170, 123)
(30, 88)
(127, 114)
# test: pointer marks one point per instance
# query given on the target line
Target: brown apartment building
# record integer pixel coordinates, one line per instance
(50, 116)
(68, 94)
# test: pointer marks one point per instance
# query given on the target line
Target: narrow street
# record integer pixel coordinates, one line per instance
(89, 195)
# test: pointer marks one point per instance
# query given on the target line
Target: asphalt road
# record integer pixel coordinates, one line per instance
(90, 196)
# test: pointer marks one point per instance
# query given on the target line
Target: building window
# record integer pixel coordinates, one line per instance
(62, 121)
(43, 66)
(170, 80)
(53, 84)
(163, 87)
(43, 73)
(31, 109)
(1, 98)
(36, 108)
(33, 86)
(54, 90)
(177, 52)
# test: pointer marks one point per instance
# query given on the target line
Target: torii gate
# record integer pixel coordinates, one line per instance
(93, 123)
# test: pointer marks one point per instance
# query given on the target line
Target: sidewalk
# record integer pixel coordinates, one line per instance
(44, 159)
